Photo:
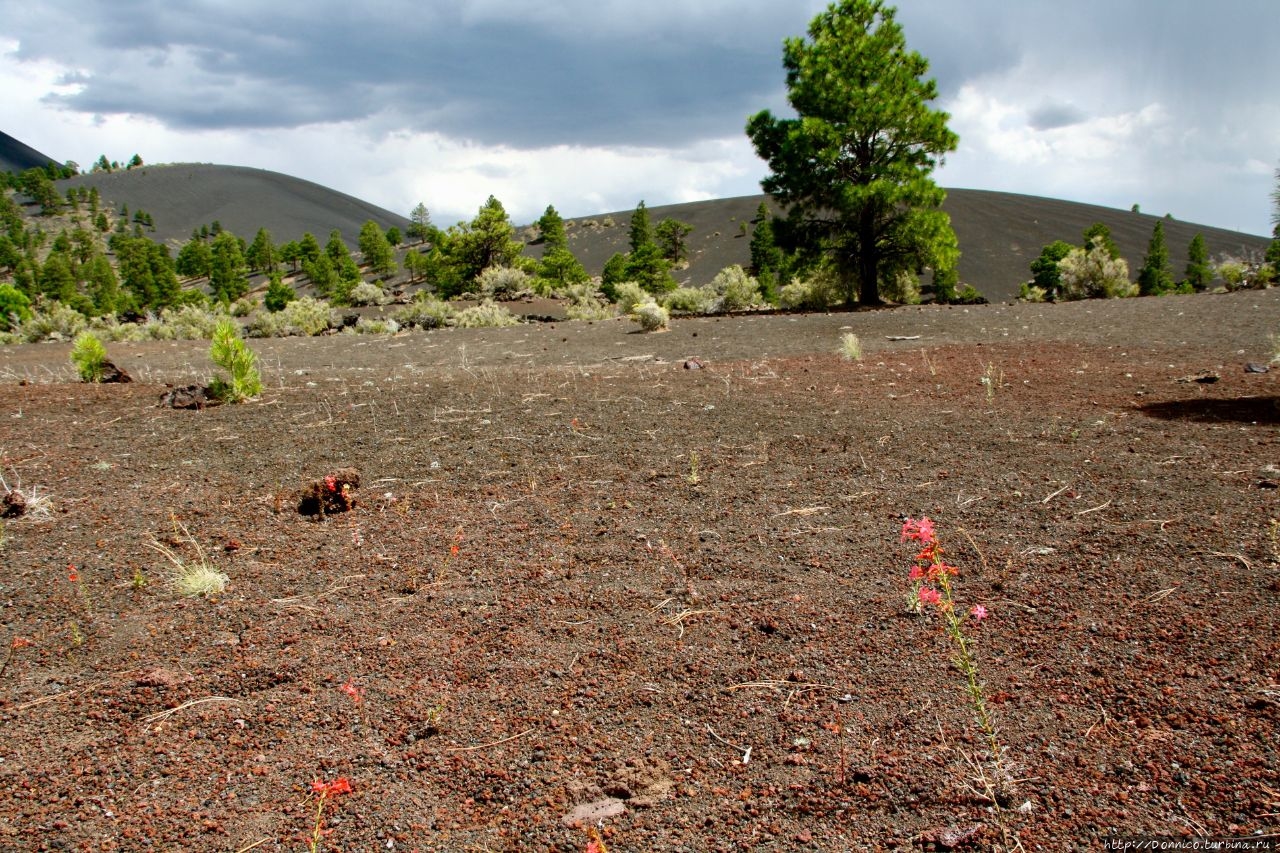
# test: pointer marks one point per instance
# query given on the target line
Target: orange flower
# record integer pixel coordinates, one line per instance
(72, 575)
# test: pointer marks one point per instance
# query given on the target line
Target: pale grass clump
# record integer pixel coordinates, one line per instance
(850, 347)
(190, 579)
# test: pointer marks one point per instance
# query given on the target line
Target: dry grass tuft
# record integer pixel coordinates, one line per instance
(191, 579)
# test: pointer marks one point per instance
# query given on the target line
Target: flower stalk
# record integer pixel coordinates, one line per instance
(931, 577)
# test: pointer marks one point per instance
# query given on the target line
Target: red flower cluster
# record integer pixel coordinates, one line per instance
(929, 564)
(350, 688)
(930, 571)
(341, 785)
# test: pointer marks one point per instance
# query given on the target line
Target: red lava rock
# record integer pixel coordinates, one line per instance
(331, 494)
(14, 504)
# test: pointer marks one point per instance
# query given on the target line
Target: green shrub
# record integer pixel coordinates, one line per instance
(229, 352)
(302, 317)
(89, 355)
(689, 300)
(376, 326)
(243, 306)
(627, 295)
(426, 312)
(279, 294)
(189, 323)
(818, 292)
(1094, 274)
(651, 316)
(486, 315)
(903, 288)
(736, 289)
(503, 282)
(367, 293)
(1232, 274)
(1030, 293)
(15, 307)
(49, 321)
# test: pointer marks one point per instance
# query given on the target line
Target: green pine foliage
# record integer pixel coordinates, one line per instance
(1156, 276)
(89, 356)
(242, 381)
(853, 168)
(1199, 272)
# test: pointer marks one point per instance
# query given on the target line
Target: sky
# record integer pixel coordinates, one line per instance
(595, 105)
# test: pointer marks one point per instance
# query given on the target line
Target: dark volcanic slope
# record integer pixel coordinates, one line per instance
(1000, 235)
(17, 156)
(184, 196)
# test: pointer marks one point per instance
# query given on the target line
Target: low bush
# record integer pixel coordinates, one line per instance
(688, 300)
(736, 289)
(367, 293)
(818, 292)
(651, 316)
(486, 315)
(503, 282)
(425, 311)
(627, 295)
(302, 317)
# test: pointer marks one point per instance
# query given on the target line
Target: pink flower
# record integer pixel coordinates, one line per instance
(978, 612)
(929, 595)
(916, 573)
(919, 530)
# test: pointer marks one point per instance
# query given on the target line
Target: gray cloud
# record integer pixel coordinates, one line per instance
(597, 74)
(1055, 115)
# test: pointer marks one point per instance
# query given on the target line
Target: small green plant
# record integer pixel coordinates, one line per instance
(230, 353)
(89, 355)
(190, 579)
(694, 479)
(850, 347)
(139, 580)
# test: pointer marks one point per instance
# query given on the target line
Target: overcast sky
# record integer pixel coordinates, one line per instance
(593, 105)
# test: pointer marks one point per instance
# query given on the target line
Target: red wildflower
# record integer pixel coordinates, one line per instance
(921, 531)
(929, 595)
(350, 688)
(72, 575)
(331, 483)
(341, 785)
(978, 612)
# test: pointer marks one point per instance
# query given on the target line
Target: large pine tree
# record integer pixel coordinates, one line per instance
(853, 169)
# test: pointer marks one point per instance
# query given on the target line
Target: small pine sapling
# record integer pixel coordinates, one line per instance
(90, 356)
(230, 353)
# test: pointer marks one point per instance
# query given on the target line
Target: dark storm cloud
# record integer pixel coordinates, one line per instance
(1054, 116)
(494, 73)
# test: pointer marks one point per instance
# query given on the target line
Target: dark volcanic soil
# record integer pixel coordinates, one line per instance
(678, 595)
